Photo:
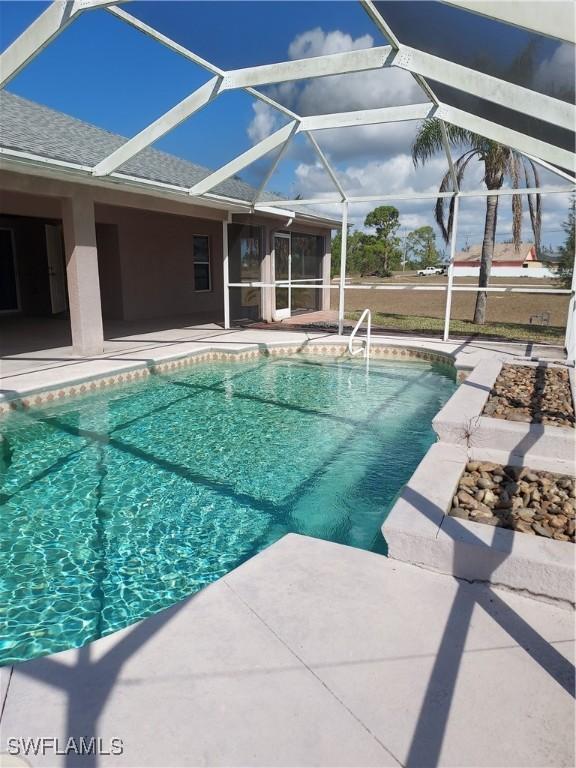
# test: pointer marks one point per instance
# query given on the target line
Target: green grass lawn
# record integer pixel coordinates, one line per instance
(513, 331)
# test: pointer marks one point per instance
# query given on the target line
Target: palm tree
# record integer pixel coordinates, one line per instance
(500, 163)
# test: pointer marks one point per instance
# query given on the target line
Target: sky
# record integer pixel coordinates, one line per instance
(107, 73)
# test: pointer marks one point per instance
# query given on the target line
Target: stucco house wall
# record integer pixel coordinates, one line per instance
(145, 248)
(156, 263)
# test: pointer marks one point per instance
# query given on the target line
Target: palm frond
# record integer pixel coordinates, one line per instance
(440, 208)
(429, 139)
(445, 186)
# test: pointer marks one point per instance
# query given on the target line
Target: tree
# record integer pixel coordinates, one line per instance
(381, 252)
(354, 248)
(421, 248)
(565, 266)
(371, 254)
(499, 162)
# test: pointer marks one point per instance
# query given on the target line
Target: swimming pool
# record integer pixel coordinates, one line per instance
(120, 503)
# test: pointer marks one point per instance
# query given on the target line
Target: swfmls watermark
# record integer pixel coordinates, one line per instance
(23, 746)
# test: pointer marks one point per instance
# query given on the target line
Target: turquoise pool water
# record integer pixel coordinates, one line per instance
(118, 504)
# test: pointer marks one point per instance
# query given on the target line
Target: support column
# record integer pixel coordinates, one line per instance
(82, 272)
(344, 242)
(226, 274)
(453, 237)
(326, 274)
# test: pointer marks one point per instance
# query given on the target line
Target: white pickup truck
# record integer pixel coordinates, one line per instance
(431, 271)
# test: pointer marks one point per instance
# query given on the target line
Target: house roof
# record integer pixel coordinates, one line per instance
(502, 252)
(27, 126)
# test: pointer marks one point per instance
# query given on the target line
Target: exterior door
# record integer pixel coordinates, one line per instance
(9, 299)
(56, 269)
(282, 271)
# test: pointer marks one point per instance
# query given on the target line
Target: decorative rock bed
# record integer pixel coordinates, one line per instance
(525, 500)
(532, 394)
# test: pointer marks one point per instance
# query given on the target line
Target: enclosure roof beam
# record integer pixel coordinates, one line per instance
(485, 86)
(316, 66)
(381, 22)
(504, 192)
(553, 169)
(243, 160)
(419, 63)
(188, 54)
(166, 122)
(555, 21)
(362, 117)
(35, 38)
(507, 136)
(327, 165)
(303, 201)
(274, 165)
(39, 33)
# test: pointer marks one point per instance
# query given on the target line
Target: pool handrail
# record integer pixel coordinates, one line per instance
(366, 347)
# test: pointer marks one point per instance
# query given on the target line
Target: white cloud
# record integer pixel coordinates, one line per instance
(316, 42)
(555, 75)
(386, 176)
(264, 122)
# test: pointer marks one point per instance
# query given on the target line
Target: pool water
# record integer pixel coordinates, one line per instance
(118, 504)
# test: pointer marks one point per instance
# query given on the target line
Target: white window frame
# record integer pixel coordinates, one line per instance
(209, 262)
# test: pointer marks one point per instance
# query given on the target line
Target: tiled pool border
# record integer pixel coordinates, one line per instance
(41, 396)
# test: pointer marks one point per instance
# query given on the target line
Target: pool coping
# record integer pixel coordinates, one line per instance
(419, 531)
(74, 384)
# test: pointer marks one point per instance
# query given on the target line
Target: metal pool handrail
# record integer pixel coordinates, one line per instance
(366, 347)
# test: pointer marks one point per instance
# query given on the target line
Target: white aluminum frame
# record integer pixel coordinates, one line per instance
(419, 63)
(486, 87)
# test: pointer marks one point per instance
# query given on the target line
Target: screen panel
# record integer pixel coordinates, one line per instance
(510, 118)
(487, 45)
(233, 35)
(121, 85)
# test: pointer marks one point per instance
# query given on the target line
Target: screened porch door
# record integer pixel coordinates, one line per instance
(282, 271)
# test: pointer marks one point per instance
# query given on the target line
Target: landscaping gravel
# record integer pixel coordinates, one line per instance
(536, 395)
(522, 499)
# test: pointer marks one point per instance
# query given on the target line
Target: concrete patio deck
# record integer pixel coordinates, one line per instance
(128, 345)
(314, 654)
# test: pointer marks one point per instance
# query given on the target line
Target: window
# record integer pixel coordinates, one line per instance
(202, 276)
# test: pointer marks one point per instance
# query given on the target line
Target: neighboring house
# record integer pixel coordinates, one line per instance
(135, 245)
(506, 262)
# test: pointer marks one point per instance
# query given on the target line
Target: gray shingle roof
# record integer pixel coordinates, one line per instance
(31, 127)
